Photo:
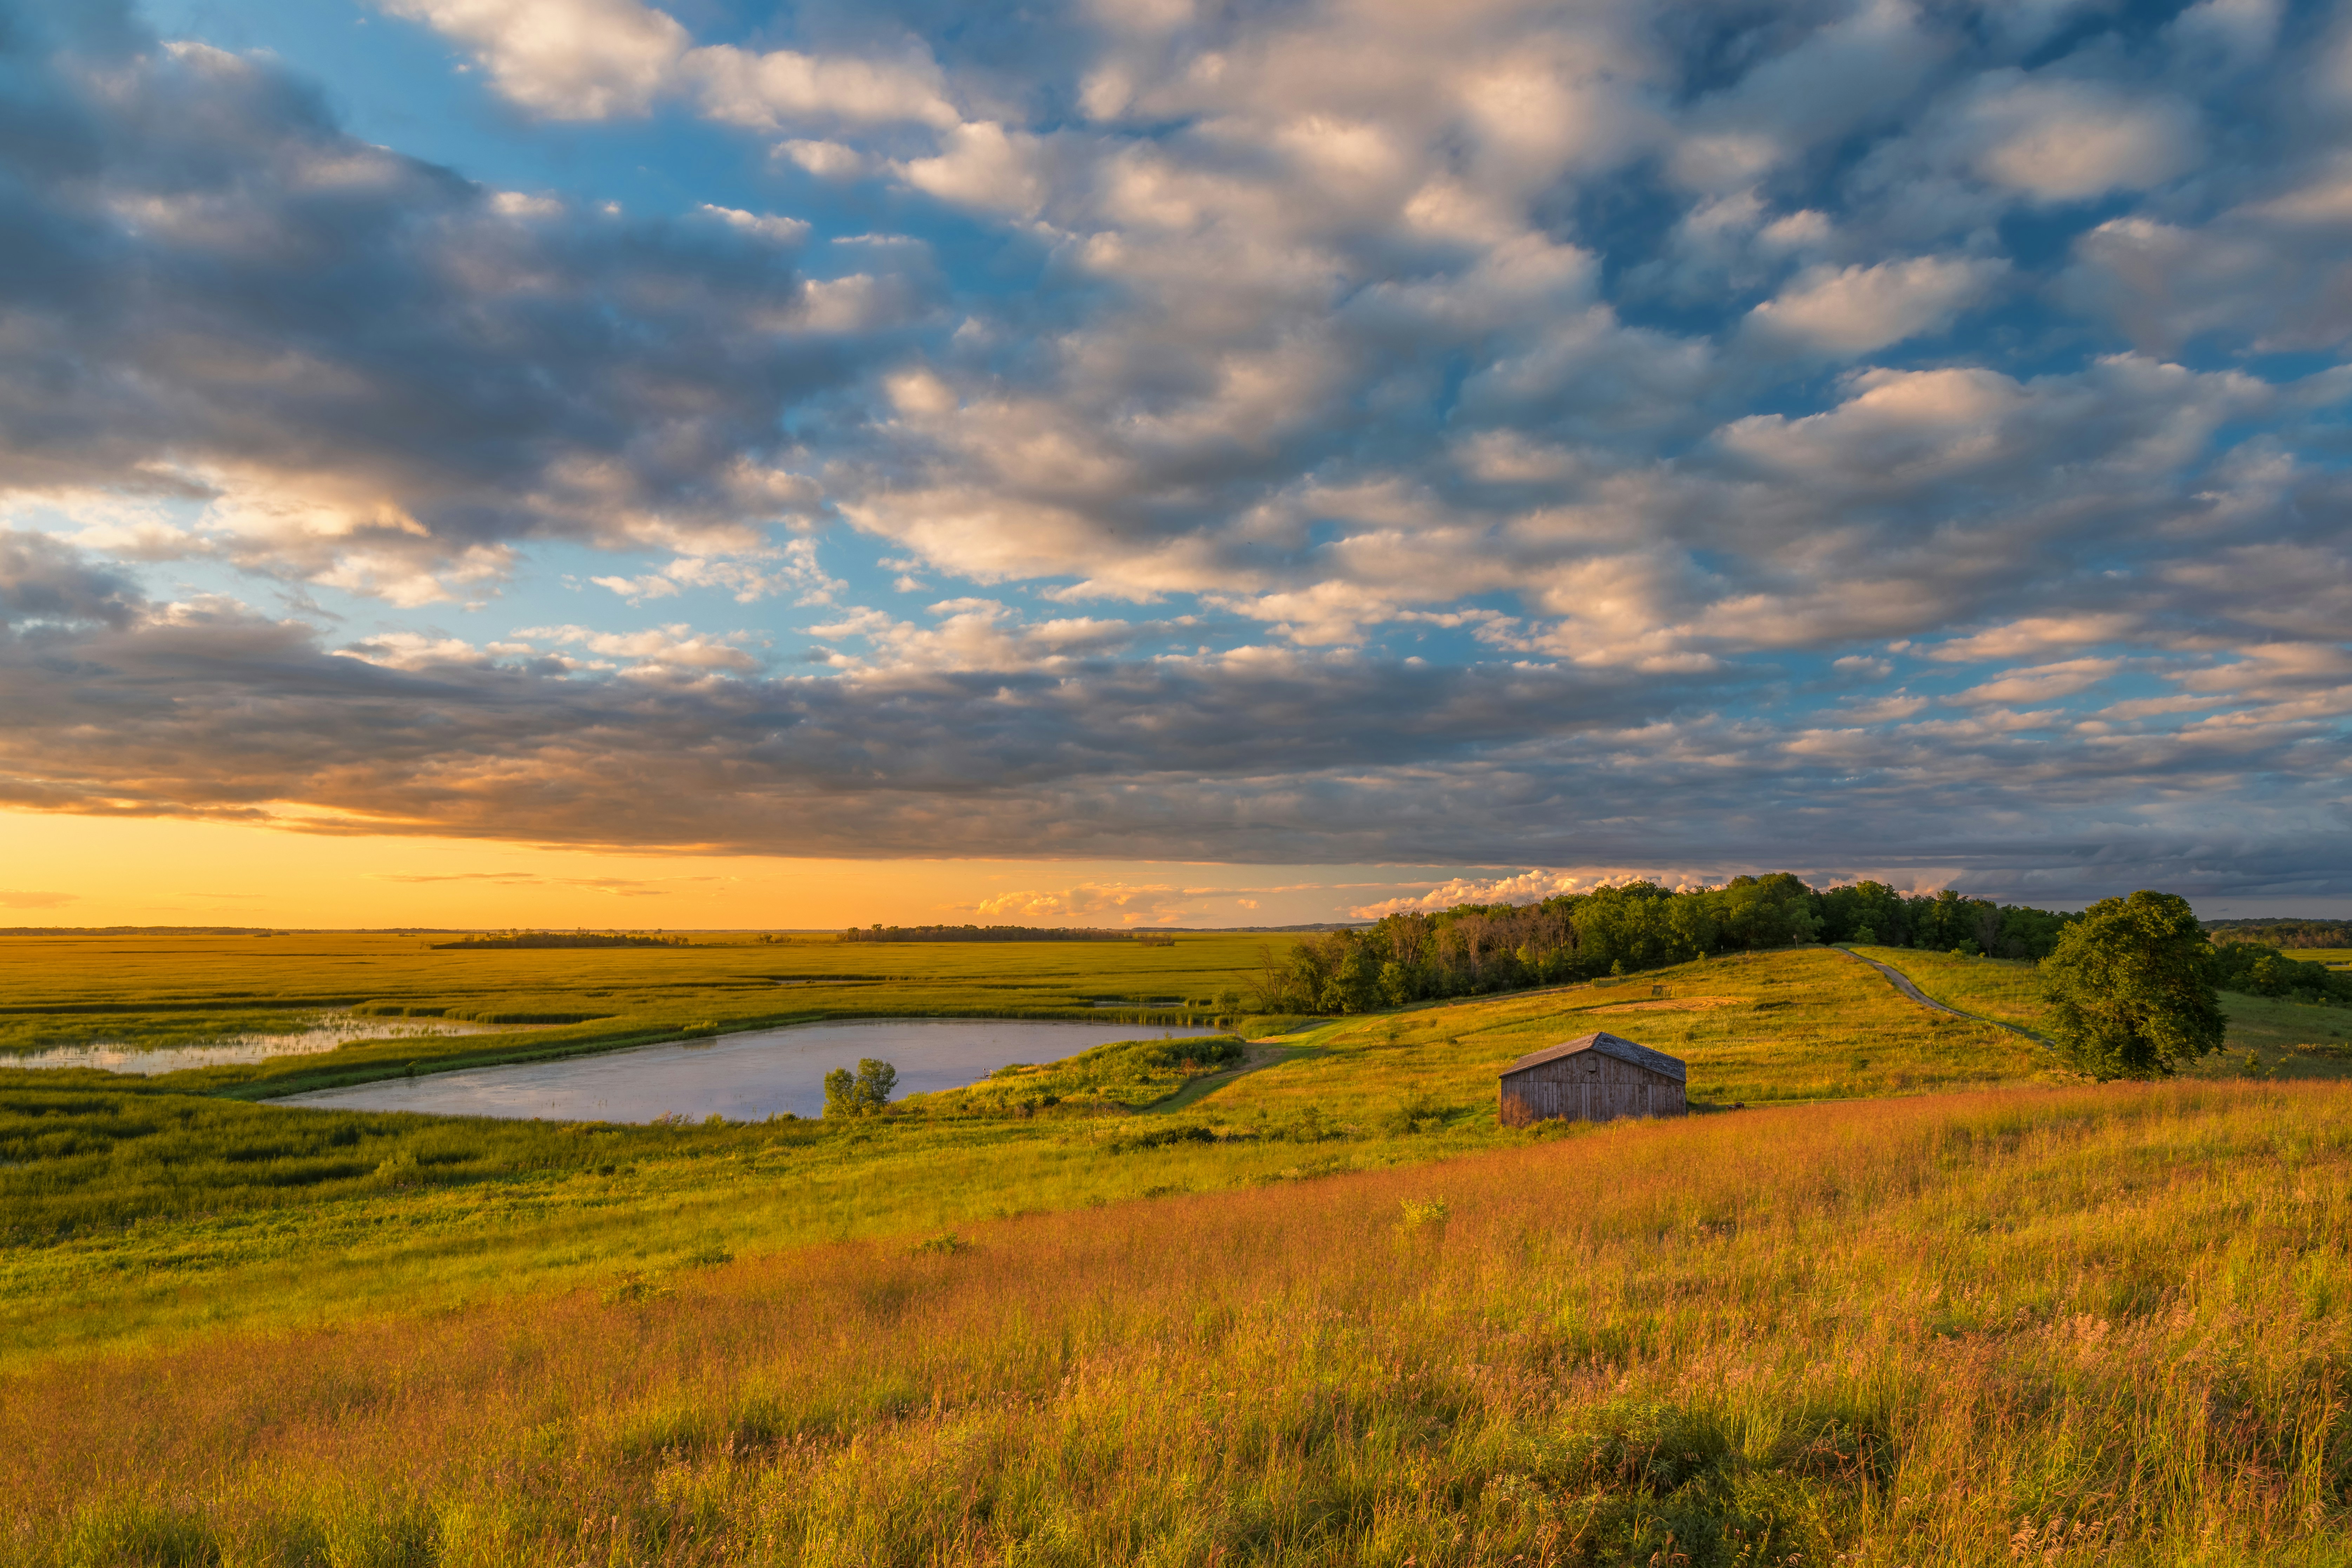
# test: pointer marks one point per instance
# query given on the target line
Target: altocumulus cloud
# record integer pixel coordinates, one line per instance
(1849, 434)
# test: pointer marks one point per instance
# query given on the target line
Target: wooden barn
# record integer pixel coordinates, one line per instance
(1594, 1078)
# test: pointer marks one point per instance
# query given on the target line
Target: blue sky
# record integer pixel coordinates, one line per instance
(1523, 442)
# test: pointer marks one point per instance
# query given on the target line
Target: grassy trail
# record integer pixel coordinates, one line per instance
(1262, 1054)
(1904, 984)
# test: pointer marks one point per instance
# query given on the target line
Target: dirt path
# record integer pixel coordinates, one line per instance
(1903, 983)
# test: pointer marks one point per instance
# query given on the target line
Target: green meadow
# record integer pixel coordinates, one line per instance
(157, 1208)
(149, 991)
(1901, 1291)
(2288, 1039)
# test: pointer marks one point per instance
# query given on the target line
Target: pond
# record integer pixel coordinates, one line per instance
(230, 1051)
(743, 1078)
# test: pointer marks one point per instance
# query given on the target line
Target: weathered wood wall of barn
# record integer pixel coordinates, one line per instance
(1588, 1087)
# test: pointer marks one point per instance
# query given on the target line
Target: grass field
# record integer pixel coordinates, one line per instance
(2006, 989)
(1297, 1302)
(1803, 1023)
(161, 991)
(2288, 1039)
(161, 1214)
(2070, 1326)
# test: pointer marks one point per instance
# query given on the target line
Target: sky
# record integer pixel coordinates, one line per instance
(1157, 461)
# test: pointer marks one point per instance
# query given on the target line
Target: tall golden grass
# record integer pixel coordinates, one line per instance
(2066, 1326)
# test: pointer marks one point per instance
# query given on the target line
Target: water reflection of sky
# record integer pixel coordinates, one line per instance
(336, 1029)
(744, 1078)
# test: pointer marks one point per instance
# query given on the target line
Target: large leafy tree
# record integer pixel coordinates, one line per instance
(2130, 987)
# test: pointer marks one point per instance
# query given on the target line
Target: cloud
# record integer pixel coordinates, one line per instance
(599, 59)
(1858, 308)
(2041, 683)
(790, 568)
(18, 898)
(972, 634)
(981, 165)
(42, 581)
(2036, 635)
(1563, 436)
(2064, 141)
(368, 372)
(569, 60)
(671, 647)
(1119, 903)
(208, 711)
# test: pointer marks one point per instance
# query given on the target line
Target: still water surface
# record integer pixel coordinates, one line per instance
(744, 1078)
(334, 1030)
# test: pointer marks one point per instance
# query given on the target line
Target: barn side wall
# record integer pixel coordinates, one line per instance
(1588, 1087)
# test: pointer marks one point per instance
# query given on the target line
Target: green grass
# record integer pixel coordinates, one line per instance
(1806, 1024)
(2006, 989)
(155, 991)
(1300, 1301)
(1127, 1075)
(2070, 1327)
(168, 1212)
(553, 1208)
(2288, 1039)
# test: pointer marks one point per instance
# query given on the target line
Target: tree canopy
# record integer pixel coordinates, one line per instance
(2130, 987)
(1476, 948)
(862, 1093)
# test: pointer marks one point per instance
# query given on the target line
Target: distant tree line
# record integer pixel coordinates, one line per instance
(983, 933)
(1871, 914)
(2258, 969)
(563, 939)
(136, 931)
(1476, 948)
(2282, 932)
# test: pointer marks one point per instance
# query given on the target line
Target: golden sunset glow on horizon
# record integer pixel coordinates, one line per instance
(70, 870)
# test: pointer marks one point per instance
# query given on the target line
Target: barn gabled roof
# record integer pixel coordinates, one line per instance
(1608, 1045)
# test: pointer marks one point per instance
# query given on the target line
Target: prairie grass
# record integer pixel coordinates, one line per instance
(150, 1218)
(2064, 1326)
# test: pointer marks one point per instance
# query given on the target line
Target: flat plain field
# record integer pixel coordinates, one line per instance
(172, 990)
